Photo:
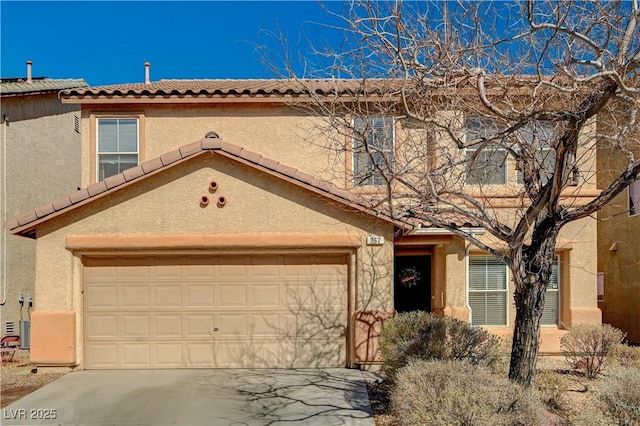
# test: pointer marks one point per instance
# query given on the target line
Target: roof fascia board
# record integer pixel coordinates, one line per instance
(93, 100)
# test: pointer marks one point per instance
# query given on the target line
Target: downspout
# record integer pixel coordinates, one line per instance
(3, 241)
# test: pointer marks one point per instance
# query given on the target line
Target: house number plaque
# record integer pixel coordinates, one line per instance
(375, 240)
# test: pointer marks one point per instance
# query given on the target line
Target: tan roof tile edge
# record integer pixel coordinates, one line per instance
(210, 241)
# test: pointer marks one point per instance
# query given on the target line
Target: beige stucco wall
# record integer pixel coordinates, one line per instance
(169, 203)
(275, 132)
(42, 163)
(618, 252)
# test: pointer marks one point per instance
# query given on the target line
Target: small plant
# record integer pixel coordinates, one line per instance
(420, 335)
(625, 356)
(551, 386)
(587, 346)
(620, 394)
(443, 393)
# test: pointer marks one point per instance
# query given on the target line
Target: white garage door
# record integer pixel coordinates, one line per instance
(215, 311)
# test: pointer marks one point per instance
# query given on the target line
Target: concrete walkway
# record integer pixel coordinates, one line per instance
(198, 397)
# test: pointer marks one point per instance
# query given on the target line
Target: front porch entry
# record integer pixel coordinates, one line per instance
(412, 282)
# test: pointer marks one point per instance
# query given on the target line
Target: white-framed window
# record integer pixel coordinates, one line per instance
(538, 138)
(634, 198)
(486, 164)
(551, 312)
(117, 145)
(373, 150)
(488, 293)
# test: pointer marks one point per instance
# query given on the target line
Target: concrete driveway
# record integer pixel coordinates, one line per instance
(198, 397)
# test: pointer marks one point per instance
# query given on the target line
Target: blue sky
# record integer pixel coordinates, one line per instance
(108, 42)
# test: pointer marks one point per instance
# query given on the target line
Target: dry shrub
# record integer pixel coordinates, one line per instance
(444, 393)
(587, 346)
(551, 386)
(620, 395)
(625, 356)
(420, 335)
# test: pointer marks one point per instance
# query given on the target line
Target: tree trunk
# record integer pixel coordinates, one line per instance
(531, 269)
(526, 334)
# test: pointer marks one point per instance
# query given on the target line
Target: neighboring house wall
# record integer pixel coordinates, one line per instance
(618, 253)
(42, 161)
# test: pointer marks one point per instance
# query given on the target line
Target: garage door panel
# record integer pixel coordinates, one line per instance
(134, 296)
(231, 325)
(102, 355)
(167, 355)
(234, 354)
(269, 311)
(264, 295)
(199, 295)
(169, 325)
(136, 355)
(324, 327)
(102, 296)
(198, 272)
(232, 296)
(266, 325)
(133, 325)
(169, 272)
(166, 296)
(199, 355)
(198, 325)
(102, 325)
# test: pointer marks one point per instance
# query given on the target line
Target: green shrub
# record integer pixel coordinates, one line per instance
(420, 335)
(620, 394)
(624, 356)
(444, 393)
(587, 346)
(551, 386)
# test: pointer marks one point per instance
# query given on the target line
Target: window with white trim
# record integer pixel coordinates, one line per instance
(486, 164)
(538, 138)
(550, 313)
(634, 198)
(117, 145)
(488, 293)
(373, 150)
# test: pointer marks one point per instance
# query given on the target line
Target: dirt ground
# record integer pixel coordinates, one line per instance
(20, 378)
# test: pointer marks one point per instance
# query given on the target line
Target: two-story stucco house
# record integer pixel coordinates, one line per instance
(212, 231)
(40, 160)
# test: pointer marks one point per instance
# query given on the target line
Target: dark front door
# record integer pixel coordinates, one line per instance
(412, 283)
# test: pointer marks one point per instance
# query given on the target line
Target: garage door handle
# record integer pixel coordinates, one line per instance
(215, 328)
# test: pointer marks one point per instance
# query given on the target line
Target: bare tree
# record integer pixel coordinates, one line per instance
(494, 101)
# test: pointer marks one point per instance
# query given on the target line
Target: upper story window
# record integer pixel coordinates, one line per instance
(373, 150)
(634, 198)
(538, 138)
(117, 145)
(486, 164)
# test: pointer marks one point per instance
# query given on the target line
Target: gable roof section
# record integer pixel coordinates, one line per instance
(26, 223)
(273, 90)
(17, 87)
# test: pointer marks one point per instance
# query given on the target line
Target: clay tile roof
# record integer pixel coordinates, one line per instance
(16, 87)
(26, 223)
(235, 88)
